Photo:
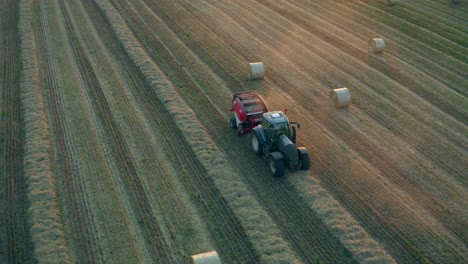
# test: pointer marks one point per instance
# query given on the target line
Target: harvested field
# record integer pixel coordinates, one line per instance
(116, 147)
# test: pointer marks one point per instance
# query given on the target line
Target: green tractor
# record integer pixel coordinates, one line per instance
(275, 138)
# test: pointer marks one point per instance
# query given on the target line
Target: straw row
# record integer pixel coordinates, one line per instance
(44, 219)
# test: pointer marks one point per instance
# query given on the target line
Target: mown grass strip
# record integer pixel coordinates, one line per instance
(258, 225)
(342, 224)
(44, 219)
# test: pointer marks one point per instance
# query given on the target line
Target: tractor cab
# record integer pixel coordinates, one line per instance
(276, 123)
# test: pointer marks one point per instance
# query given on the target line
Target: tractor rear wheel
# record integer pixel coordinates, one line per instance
(233, 122)
(304, 158)
(256, 144)
(277, 165)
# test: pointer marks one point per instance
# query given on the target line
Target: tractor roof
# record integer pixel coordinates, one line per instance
(275, 117)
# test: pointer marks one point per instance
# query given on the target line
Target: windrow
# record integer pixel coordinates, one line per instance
(44, 219)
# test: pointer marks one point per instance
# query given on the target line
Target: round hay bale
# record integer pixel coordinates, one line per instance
(392, 2)
(341, 97)
(206, 258)
(256, 71)
(376, 45)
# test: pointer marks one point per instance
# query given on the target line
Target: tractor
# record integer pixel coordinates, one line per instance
(273, 135)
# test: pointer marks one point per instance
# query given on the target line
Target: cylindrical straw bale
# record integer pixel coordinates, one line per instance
(206, 258)
(341, 97)
(256, 70)
(376, 45)
(392, 2)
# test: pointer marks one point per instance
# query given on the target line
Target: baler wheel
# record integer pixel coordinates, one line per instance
(233, 122)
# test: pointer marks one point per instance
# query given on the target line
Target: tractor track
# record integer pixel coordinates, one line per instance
(15, 240)
(79, 222)
(138, 197)
(285, 206)
(232, 241)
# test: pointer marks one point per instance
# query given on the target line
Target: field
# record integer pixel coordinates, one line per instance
(116, 147)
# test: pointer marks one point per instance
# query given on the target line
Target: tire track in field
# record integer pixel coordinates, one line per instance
(15, 240)
(79, 221)
(233, 245)
(136, 191)
(290, 210)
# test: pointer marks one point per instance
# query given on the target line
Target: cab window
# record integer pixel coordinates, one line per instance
(266, 124)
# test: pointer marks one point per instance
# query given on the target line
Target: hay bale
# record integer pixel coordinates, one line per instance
(341, 97)
(392, 2)
(206, 258)
(256, 71)
(376, 45)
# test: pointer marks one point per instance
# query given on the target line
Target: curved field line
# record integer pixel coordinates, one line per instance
(46, 226)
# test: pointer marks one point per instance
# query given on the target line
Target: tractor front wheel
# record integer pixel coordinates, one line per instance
(277, 166)
(304, 158)
(256, 144)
